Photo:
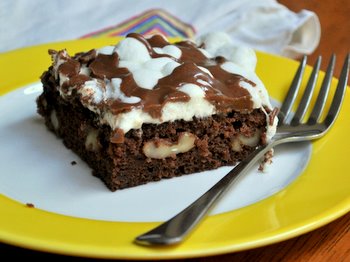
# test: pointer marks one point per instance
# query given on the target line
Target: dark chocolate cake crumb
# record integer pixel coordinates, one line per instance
(267, 160)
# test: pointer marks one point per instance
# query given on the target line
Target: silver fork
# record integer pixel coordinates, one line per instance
(177, 228)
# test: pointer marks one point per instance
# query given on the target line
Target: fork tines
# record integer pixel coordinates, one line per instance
(309, 90)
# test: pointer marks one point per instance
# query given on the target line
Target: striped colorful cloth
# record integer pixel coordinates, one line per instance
(147, 23)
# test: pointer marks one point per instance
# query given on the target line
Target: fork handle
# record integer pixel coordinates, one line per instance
(178, 227)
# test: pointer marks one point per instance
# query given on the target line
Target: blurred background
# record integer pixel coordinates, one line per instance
(284, 27)
(265, 25)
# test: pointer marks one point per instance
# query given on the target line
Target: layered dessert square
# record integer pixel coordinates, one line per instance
(146, 109)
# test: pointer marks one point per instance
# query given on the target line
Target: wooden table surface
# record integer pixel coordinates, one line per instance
(328, 243)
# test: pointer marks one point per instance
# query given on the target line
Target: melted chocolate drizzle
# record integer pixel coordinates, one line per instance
(222, 89)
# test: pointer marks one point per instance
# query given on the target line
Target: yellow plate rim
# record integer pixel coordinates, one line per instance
(282, 216)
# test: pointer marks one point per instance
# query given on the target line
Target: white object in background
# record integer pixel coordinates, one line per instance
(264, 25)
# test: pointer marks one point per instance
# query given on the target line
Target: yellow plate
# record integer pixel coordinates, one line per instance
(319, 195)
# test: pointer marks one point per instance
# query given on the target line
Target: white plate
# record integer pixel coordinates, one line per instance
(36, 168)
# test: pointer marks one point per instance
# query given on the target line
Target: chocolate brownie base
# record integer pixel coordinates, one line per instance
(123, 165)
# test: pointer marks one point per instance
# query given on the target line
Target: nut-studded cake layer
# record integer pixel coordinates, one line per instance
(146, 109)
(155, 151)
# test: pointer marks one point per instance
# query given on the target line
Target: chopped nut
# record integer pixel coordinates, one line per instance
(91, 142)
(162, 148)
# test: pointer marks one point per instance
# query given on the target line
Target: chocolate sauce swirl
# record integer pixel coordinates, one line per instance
(222, 89)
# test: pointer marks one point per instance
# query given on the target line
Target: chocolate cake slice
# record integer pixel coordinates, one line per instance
(145, 109)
